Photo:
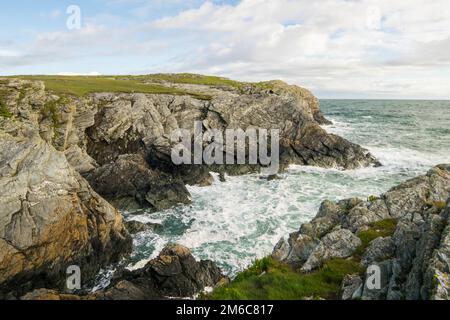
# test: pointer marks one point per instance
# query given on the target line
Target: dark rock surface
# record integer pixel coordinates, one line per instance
(173, 274)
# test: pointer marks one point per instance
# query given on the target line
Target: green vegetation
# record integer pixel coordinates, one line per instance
(152, 84)
(438, 204)
(189, 78)
(4, 112)
(372, 198)
(382, 228)
(83, 85)
(51, 110)
(268, 279)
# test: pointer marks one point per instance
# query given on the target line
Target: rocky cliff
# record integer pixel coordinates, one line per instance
(63, 153)
(405, 233)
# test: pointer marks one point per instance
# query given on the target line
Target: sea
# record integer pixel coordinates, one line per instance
(241, 220)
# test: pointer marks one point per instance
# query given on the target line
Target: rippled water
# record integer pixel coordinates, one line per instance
(235, 222)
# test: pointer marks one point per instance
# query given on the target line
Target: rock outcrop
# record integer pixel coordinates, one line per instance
(50, 217)
(62, 155)
(173, 274)
(121, 142)
(413, 253)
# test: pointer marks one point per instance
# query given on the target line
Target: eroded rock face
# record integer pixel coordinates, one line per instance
(50, 217)
(116, 139)
(173, 274)
(414, 261)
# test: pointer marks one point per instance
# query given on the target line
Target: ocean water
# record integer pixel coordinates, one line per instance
(236, 222)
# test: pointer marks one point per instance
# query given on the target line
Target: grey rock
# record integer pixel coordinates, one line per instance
(340, 243)
(379, 250)
(351, 287)
(296, 250)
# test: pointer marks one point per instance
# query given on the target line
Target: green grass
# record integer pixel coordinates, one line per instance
(382, 228)
(268, 279)
(271, 280)
(4, 112)
(83, 85)
(189, 78)
(51, 110)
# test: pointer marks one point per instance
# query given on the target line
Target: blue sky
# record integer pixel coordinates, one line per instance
(336, 48)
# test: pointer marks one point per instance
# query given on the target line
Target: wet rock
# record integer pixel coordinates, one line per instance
(135, 227)
(174, 273)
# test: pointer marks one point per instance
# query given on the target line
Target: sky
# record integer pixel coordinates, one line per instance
(373, 49)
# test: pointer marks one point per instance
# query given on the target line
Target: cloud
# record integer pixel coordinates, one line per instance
(337, 48)
(377, 48)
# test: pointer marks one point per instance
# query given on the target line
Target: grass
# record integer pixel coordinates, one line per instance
(4, 112)
(382, 228)
(268, 279)
(271, 280)
(51, 110)
(189, 78)
(83, 85)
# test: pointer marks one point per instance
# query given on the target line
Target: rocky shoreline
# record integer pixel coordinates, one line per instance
(413, 255)
(62, 155)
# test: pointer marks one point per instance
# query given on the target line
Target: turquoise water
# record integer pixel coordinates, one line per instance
(234, 223)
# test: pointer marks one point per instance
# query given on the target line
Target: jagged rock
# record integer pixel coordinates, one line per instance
(366, 213)
(174, 273)
(329, 216)
(368, 293)
(414, 262)
(296, 250)
(50, 218)
(134, 227)
(100, 132)
(138, 182)
(340, 243)
(417, 285)
(379, 250)
(352, 286)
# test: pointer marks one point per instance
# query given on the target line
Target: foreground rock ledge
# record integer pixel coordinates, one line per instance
(173, 274)
(414, 258)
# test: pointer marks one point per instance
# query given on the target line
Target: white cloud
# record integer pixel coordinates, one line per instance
(342, 48)
(376, 48)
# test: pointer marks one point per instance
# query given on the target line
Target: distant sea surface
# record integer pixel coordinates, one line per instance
(236, 222)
